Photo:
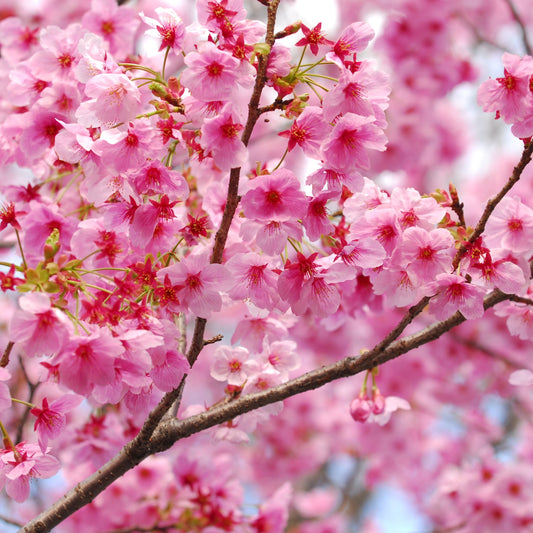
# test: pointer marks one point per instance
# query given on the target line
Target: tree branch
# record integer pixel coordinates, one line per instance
(169, 432)
(493, 202)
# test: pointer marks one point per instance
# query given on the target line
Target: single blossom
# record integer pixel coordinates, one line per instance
(50, 419)
(22, 463)
(275, 196)
(233, 365)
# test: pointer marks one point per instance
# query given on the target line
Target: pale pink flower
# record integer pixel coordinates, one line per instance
(335, 180)
(40, 328)
(251, 331)
(88, 361)
(415, 210)
(363, 92)
(39, 134)
(353, 135)
(213, 74)
(271, 236)
(279, 62)
(117, 24)
(167, 374)
(148, 219)
(233, 365)
(18, 40)
(155, 178)
(511, 227)
(380, 224)
(129, 146)
(20, 464)
(254, 279)
(453, 294)
(426, 253)
(201, 283)
(400, 287)
(364, 253)
(169, 30)
(114, 98)
(59, 54)
(221, 138)
(50, 419)
(282, 356)
(275, 196)
(392, 404)
(353, 39)
(316, 221)
(519, 319)
(509, 96)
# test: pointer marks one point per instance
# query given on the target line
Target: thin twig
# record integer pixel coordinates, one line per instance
(5, 356)
(523, 30)
(493, 202)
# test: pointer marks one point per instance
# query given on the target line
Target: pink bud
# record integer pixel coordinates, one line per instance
(360, 408)
(378, 402)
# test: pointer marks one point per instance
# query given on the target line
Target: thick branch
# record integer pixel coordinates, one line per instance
(172, 431)
(176, 430)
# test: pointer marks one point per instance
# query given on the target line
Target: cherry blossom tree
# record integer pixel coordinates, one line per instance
(258, 264)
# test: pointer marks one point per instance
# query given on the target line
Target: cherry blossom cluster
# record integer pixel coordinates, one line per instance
(156, 208)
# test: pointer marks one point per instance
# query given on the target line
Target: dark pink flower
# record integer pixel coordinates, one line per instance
(275, 196)
(169, 30)
(50, 419)
(313, 37)
(347, 146)
(21, 463)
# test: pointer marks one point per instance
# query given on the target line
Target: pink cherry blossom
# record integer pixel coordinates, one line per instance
(40, 328)
(353, 135)
(114, 99)
(169, 30)
(88, 361)
(254, 279)
(308, 131)
(50, 419)
(427, 253)
(511, 227)
(201, 283)
(233, 365)
(455, 294)
(275, 196)
(213, 74)
(221, 137)
(509, 95)
(21, 463)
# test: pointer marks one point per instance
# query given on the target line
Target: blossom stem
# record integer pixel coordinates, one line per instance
(21, 250)
(27, 404)
(165, 62)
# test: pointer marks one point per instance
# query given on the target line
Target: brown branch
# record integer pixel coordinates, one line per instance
(493, 202)
(232, 199)
(176, 430)
(521, 300)
(7, 352)
(168, 433)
